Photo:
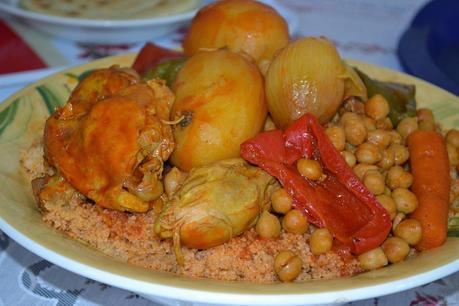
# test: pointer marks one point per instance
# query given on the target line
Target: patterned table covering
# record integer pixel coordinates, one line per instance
(366, 30)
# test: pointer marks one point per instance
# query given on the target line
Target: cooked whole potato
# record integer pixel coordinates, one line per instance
(239, 25)
(220, 98)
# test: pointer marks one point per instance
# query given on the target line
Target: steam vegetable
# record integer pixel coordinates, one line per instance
(287, 266)
(220, 101)
(306, 76)
(239, 25)
(214, 204)
(432, 182)
(329, 202)
(152, 55)
(166, 70)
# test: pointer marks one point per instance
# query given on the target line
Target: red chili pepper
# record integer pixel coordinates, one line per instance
(150, 55)
(340, 202)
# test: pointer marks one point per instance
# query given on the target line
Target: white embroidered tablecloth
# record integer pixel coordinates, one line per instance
(366, 30)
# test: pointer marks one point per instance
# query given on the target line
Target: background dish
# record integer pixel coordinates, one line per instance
(95, 30)
(100, 31)
(22, 117)
(430, 46)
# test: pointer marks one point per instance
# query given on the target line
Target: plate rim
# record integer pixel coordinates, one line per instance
(254, 298)
(95, 23)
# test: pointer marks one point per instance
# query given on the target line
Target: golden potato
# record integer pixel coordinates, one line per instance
(220, 96)
(239, 25)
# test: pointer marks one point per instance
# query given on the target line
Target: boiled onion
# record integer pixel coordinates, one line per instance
(306, 76)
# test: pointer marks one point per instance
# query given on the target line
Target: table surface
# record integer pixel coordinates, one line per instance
(365, 30)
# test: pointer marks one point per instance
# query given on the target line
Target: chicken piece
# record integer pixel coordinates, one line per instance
(111, 139)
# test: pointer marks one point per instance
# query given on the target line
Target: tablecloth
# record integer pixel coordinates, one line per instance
(366, 30)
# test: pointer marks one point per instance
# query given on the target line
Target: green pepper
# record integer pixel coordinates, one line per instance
(453, 227)
(166, 70)
(401, 97)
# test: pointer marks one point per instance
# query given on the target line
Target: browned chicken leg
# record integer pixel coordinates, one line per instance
(111, 138)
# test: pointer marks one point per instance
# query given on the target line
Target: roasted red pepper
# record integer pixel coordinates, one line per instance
(340, 202)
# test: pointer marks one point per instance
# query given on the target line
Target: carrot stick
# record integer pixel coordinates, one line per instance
(432, 182)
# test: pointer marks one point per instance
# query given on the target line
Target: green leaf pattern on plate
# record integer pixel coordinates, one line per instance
(7, 115)
(49, 98)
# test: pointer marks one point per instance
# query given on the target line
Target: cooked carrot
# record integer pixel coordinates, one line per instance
(432, 182)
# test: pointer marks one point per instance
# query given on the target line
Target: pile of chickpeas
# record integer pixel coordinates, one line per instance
(377, 153)
(286, 264)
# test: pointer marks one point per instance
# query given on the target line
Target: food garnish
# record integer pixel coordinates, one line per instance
(166, 70)
(214, 204)
(347, 172)
(244, 26)
(432, 182)
(401, 97)
(295, 86)
(82, 139)
(152, 55)
(220, 96)
(329, 202)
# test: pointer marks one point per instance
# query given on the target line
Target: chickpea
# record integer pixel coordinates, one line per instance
(350, 147)
(379, 137)
(349, 157)
(425, 114)
(172, 180)
(268, 226)
(377, 107)
(396, 138)
(399, 217)
(406, 126)
(355, 132)
(374, 181)
(384, 124)
(368, 153)
(353, 105)
(321, 241)
(349, 116)
(373, 259)
(295, 222)
(426, 125)
(369, 123)
(387, 191)
(281, 201)
(401, 153)
(397, 177)
(361, 169)
(389, 204)
(387, 159)
(409, 230)
(396, 249)
(287, 266)
(453, 155)
(337, 137)
(405, 200)
(453, 137)
(309, 169)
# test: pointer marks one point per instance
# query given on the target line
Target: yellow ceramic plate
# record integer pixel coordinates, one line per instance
(22, 117)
